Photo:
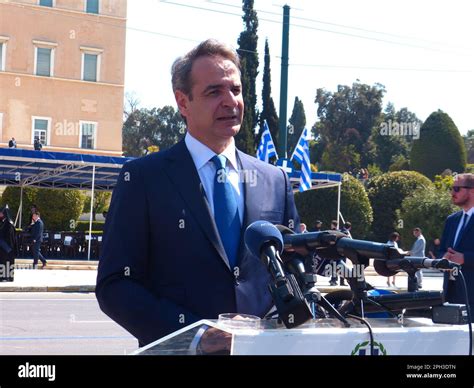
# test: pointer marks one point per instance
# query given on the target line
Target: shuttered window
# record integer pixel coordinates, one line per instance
(92, 6)
(43, 61)
(90, 67)
(87, 135)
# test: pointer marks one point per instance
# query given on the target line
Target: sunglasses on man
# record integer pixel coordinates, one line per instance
(456, 189)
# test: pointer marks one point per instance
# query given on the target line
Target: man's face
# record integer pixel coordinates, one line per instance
(416, 233)
(35, 217)
(214, 110)
(464, 195)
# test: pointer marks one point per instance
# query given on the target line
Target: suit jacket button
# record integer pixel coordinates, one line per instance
(236, 281)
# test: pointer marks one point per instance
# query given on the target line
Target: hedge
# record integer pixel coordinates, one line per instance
(386, 193)
(321, 204)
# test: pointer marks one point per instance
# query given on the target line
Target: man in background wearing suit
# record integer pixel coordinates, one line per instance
(457, 241)
(37, 236)
(173, 250)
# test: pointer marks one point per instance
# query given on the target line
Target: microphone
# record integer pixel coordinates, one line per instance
(332, 244)
(410, 264)
(265, 241)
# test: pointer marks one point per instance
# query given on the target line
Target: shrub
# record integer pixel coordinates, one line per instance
(83, 226)
(321, 204)
(60, 209)
(11, 197)
(426, 208)
(386, 193)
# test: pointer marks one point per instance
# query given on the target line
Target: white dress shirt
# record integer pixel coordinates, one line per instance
(202, 155)
(469, 214)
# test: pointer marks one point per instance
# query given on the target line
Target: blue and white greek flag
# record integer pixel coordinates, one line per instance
(301, 154)
(266, 148)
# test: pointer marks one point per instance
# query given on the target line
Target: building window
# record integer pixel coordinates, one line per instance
(87, 135)
(44, 61)
(41, 129)
(91, 67)
(91, 57)
(44, 58)
(92, 6)
(46, 3)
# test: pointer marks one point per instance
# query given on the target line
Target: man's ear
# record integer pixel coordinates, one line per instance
(182, 100)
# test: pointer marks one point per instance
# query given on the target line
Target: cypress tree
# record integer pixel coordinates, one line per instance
(439, 147)
(268, 107)
(298, 122)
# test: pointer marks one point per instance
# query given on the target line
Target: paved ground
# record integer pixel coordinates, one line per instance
(83, 280)
(59, 323)
(54, 311)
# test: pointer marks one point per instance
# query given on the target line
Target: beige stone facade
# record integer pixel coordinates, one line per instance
(62, 74)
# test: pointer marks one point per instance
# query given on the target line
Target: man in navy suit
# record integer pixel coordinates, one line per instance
(37, 237)
(457, 242)
(173, 250)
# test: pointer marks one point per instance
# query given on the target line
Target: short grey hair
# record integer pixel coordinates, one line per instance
(182, 66)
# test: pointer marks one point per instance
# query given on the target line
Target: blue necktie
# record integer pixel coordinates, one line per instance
(461, 231)
(226, 213)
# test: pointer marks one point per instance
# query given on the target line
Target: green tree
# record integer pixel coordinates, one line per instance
(298, 123)
(268, 106)
(391, 143)
(162, 127)
(60, 209)
(317, 146)
(386, 193)
(101, 203)
(426, 208)
(439, 147)
(340, 158)
(11, 197)
(248, 39)
(400, 163)
(347, 118)
(405, 116)
(321, 204)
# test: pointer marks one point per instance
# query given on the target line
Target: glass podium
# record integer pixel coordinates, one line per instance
(416, 336)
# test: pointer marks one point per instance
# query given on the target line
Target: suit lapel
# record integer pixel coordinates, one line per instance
(467, 230)
(182, 172)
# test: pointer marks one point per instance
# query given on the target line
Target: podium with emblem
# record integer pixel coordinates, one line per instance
(415, 336)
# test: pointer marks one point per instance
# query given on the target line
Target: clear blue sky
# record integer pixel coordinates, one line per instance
(422, 51)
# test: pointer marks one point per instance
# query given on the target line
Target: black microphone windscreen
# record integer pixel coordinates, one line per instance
(381, 268)
(260, 233)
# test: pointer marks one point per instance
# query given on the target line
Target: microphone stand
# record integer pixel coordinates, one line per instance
(358, 286)
(410, 269)
(315, 299)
